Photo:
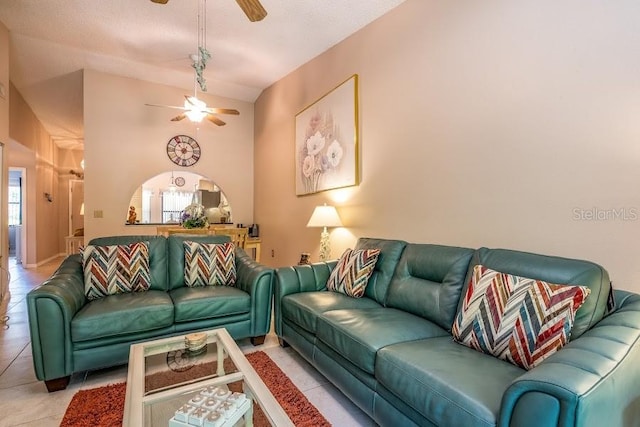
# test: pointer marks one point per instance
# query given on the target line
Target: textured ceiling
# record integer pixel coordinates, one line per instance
(52, 41)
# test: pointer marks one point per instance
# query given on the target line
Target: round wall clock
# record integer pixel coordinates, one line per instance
(179, 181)
(183, 150)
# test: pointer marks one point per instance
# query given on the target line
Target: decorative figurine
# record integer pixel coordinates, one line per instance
(304, 258)
(132, 215)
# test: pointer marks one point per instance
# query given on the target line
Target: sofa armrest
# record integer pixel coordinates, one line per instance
(593, 381)
(51, 307)
(296, 279)
(257, 280)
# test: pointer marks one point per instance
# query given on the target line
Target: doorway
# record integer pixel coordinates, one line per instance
(17, 212)
(76, 207)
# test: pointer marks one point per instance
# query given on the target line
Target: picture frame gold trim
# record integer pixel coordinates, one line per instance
(327, 141)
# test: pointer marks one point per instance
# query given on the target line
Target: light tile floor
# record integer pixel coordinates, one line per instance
(24, 401)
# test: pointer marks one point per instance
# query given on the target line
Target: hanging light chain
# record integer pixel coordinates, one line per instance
(203, 55)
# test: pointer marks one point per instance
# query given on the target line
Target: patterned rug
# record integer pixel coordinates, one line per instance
(104, 406)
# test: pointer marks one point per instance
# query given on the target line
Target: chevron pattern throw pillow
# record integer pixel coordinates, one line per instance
(209, 264)
(353, 271)
(115, 269)
(520, 320)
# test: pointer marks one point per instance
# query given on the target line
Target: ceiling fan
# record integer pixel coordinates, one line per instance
(195, 109)
(252, 8)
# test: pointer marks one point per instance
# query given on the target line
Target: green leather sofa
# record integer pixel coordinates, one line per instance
(392, 353)
(70, 333)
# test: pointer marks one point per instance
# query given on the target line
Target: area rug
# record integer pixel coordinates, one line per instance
(104, 406)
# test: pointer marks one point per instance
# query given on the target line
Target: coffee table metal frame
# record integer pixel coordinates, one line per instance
(254, 387)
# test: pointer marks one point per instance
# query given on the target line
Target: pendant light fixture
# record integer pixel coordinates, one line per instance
(172, 184)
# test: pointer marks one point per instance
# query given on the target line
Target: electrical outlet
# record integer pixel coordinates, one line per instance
(273, 253)
(97, 214)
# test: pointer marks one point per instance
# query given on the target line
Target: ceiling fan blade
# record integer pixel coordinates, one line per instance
(167, 106)
(160, 1)
(215, 120)
(213, 110)
(253, 9)
(179, 117)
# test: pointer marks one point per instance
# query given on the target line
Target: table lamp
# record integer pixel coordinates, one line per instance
(324, 216)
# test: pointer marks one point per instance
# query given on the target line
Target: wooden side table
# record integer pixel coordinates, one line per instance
(255, 244)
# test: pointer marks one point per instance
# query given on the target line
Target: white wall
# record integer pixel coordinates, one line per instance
(125, 144)
(500, 124)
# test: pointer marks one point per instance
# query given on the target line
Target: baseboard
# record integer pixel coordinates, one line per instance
(45, 261)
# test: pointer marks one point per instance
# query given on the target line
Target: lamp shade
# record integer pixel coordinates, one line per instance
(324, 216)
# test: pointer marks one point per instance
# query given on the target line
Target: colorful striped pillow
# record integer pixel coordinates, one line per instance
(115, 269)
(209, 264)
(353, 271)
(520, 320)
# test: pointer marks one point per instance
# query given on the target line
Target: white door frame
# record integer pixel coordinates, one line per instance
(23, 205)
(70, 208)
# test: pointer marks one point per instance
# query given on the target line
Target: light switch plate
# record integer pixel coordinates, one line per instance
(3, 91)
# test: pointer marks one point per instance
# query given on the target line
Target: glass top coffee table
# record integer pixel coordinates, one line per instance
(206, 381)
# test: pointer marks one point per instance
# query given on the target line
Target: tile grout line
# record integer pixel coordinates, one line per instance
(13, 360)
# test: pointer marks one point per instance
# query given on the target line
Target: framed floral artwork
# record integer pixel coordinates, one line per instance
(327, 141)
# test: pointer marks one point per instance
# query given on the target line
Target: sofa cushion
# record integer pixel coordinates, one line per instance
(209, 263)
(449, 384)
(175, 248)
(517, 319)
(428, 281)
(358, 334)
(157, 255)
(352, 273)
(304, 308)
(122, 315)
(562, 271)
(115, 269)
(207, 302)
(390, 251)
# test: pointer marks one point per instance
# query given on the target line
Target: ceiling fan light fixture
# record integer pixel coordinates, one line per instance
(194, 103)
(195, 109)
(195, 115)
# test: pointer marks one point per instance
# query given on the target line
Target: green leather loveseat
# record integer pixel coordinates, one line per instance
(392, 353)
(70, 333)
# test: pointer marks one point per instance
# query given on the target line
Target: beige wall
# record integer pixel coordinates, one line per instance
(47, 170)
(31, 147)
(4, 139)
(4, 80)
(500, 124)
(125, 144)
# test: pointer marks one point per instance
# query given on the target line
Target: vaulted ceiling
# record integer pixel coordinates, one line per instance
(52, 41)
